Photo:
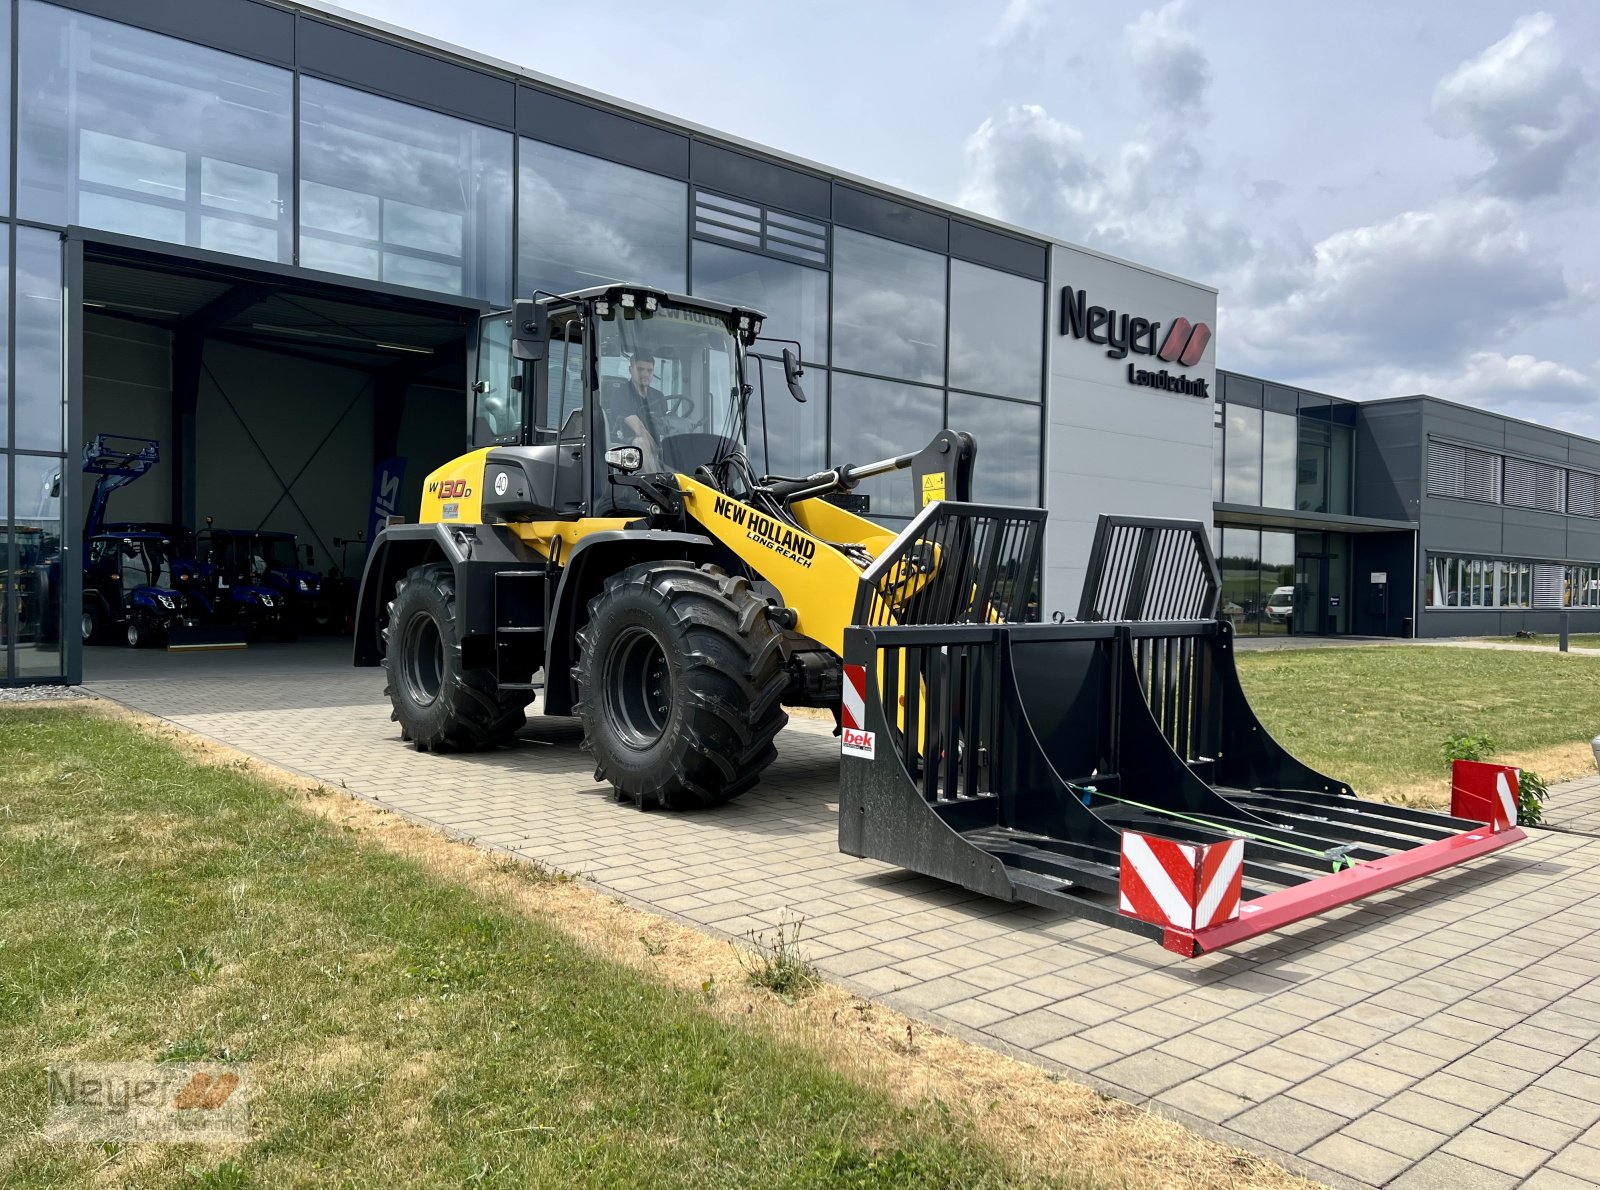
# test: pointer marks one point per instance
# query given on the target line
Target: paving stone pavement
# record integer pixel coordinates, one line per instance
(1575, 806)
(1444, 1034)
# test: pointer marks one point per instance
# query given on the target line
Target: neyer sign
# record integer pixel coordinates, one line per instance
(1122, 334)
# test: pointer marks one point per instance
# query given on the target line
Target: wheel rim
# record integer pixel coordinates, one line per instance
(638, 688)
(133, 634)
(88, 625)
(423, 652)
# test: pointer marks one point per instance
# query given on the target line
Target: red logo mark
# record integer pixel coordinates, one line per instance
(1185, 342)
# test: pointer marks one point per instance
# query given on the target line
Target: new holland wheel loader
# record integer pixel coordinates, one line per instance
(674, 608)
(614, 538)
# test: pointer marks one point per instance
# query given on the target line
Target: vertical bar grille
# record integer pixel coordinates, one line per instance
(1145, 570)
(957, 564)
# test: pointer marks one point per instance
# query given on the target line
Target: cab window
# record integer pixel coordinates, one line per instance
(497, 387)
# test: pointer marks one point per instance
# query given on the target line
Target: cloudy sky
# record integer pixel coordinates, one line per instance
(1391, 198)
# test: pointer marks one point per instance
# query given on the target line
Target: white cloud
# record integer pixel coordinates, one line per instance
(1171, 67)
(1021, 20)
(1536, 114)
(1423, 287)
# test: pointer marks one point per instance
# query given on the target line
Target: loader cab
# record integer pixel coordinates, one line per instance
(551, 395)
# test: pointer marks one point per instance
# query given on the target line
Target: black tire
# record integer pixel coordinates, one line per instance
(93, 622)
(137, 634)
(679, 680)
(440, 706)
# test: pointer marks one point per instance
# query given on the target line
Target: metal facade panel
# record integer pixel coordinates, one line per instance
(557, 120)
(374, 64)
(238, 26)
(983, 246)
(893, 220)
(744, 176)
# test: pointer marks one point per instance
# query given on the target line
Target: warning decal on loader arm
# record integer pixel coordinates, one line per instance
(932, 488)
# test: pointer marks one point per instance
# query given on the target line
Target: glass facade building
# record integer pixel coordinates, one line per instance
(286, 136)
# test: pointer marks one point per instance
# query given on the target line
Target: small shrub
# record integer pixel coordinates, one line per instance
(774, 962)
(1531, 793)
(1466, 747)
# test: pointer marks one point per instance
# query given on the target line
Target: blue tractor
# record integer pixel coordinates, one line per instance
(140, 579)
(237, 578)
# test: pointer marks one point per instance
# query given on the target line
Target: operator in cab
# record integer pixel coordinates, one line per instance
(638, 407)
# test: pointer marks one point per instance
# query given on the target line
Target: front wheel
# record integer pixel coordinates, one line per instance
(679, 680)
(441, 706)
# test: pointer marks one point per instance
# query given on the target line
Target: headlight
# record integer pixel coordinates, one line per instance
(266, 601)
(304, 585)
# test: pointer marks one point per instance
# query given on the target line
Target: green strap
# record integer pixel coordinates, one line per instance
(1340, 861)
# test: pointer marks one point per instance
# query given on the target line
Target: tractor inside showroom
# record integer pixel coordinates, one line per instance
(613, 537)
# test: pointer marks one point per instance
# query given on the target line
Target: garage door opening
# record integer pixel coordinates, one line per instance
(272, 420)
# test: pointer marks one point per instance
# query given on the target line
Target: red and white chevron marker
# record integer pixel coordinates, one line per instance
(855, 739)
(1182, 886)
(1485, 792)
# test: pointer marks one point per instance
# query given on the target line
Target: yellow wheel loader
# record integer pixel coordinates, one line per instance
(609, 541)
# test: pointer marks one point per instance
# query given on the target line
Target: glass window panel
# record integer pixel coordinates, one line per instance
(5, 332)
(1279, 459)
(1241, 579)
(129, 216)
(1242, 481)
(427, 194)
(793, 297)
(37, 386)
(332, 208)
(788, 438)
(1277, 572)
(109, 115)
(241, 239)
(996, 331)
(888, 308)
(423, 274)
(1007, 470)
(877, 419)
(1216, 460)
(421, 227)
(242, 189)
(1341, 469)
(587, 222)
(132, 164)
(34, 582)
(7, 566)
(335, 257)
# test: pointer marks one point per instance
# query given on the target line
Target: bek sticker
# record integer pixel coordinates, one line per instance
(859, 743)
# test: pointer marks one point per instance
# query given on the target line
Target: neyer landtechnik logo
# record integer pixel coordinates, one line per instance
(1121, 334)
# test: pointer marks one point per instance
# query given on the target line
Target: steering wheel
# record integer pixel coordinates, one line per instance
(680, 407)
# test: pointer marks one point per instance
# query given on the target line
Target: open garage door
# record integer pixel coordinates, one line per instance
(286, 413)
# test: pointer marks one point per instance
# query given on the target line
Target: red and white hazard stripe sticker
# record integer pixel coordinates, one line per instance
(855, 739)
(1485, 792)
(1183, 885)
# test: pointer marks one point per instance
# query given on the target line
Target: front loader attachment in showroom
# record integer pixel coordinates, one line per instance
(1111, 766)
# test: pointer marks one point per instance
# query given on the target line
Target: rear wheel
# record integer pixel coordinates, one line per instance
(440, 706)
(679, 680)
(93, 623)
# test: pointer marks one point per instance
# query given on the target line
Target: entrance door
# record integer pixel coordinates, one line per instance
(1310, 595)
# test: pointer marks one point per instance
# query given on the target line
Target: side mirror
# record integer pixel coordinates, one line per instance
(792, 371)
(530, 330)
(626, 459)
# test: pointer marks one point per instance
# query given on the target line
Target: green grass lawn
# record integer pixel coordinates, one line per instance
(1376, 716)
(400, 1030)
